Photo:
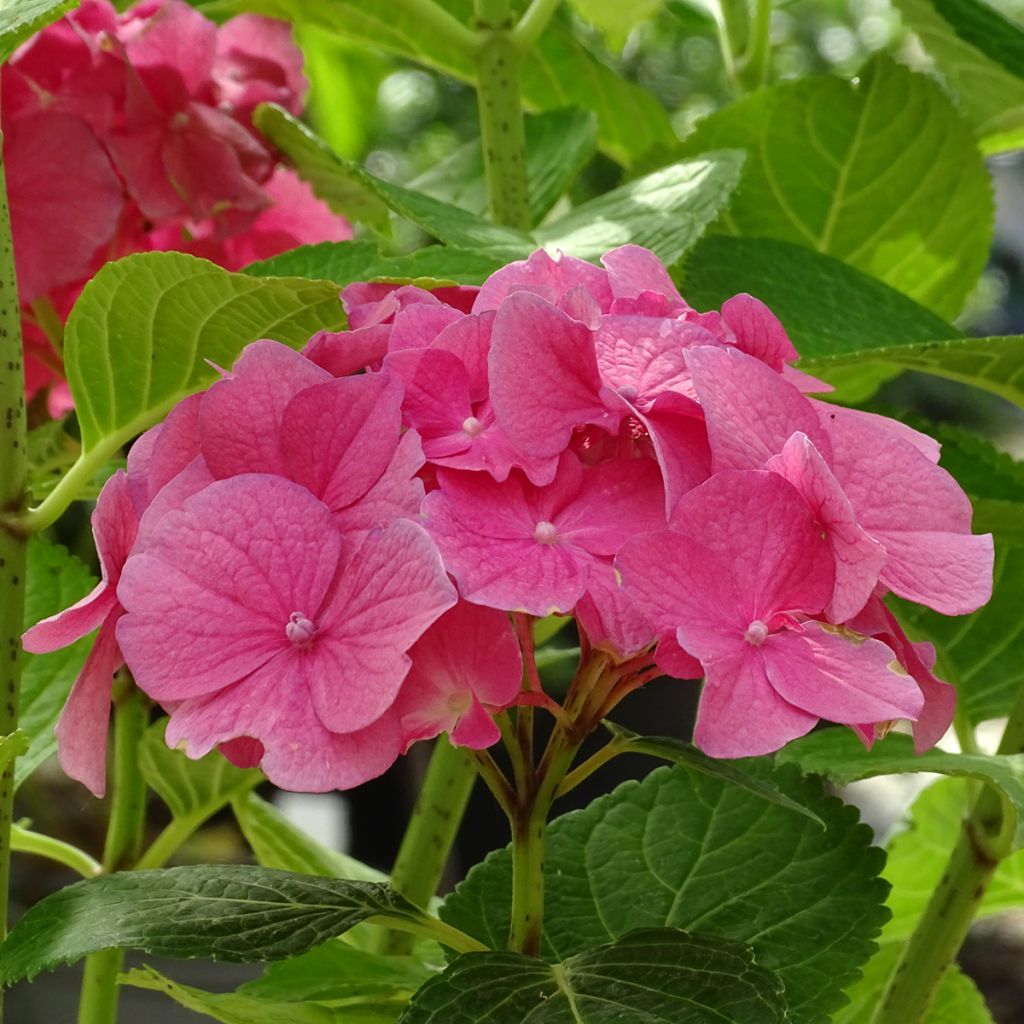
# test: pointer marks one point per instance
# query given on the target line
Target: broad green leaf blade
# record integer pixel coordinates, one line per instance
(656, 974)
(558, 71)
(666, 211)
(21, 18)
(55, 581)
(278, 843)
(229, 912)
(335, 971)
(686, 755)
(345, 262)
(829, 309)
(883, 174)
(12, 746)
(991, 98)
(984, 28)
(193, 790)
(918, 856)
(995, 364)
(558, 144)
(228, 1007)
(614, 19)
(338, 182)
(140, 336)
(840, 756)
(957, 1000)
(686, 851)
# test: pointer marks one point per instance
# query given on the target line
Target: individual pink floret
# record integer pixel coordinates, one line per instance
(739, 588)
(519, 547)
(465, 668)
(275, 633)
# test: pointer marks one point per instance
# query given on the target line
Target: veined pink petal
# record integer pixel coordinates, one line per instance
(385, 597)
(177, 444)
(758, 332)
(273, 706)
(339, 437)
(172, 496)
(844, 678)
(670, 657)
(858, 558)
(546, 276)
(544, 376)
(419, 324)
(926, 445)
(610, 618)
(469, 339)
(680, 438)
(82, 728)
(751, 411)
(210, 599)
(741, 714)
(758, 524)
(341, 353)
(633, 270)
(468, 658)
(240, 417)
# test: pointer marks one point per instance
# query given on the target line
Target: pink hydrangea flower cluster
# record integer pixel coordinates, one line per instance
(131, 132)
(313, 563)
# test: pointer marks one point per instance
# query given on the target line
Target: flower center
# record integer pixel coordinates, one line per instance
(756, 634)
(545, 532)
(300, 630)
(472, 426)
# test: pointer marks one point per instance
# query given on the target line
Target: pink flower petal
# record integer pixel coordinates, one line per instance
(633, 270)
(386, 595)
(544, 376)
(240, 417)
(342, 353)
(751, 411)
(741, 714)
(758, 332)
(546, 276)
(82, 728)
(842, 677)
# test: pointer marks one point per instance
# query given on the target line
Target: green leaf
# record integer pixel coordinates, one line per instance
(345, 262)
(340, 183)
(840, 756)
(557, 71)
(995, 364)
(614, 19)
(684, 850)
(20, 19)
(558, 144)
(666, 211)
(655, 974)
(688, 756)
(991, 98)
(140, 335)
(957, 1000)
(336, 971)
(882, 174)
(278, 843)
(232, 912)
(55, 580)
(12, 746)
(229, 1007)
(918, 856)
(984, 28)
(828, 308)
(193, 790)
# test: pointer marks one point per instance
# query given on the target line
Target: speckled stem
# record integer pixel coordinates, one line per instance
(13, 541)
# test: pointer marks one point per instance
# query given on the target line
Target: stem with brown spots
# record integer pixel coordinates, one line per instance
(13, 542)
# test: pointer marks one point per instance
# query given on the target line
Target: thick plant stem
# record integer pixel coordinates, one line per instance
(432, 828)
(501, 116)
(985, 840)
(13, 541)
(121, 850)
(528, 837)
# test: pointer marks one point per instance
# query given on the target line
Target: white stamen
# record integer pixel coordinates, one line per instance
(300, 630)
(472, 426)
(545, 532)
(756, 634)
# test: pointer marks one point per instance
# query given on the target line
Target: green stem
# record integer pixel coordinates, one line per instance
(433, 928)
(986, 838)
(49, 322)
(501, 116)
(434, 21)
(533, 22)
(24, 840)
(13, 540)
(431, 831)
(757, 57)
(170, 840)
(122, 847)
